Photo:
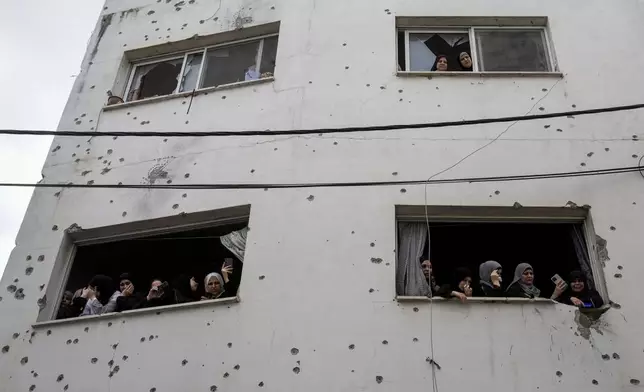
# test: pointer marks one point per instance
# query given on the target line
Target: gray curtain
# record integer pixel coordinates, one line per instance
(410, 280)
(236, 242)
(581, 250)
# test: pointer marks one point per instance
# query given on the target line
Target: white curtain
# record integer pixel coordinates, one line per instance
(236, 242)
(410, 280)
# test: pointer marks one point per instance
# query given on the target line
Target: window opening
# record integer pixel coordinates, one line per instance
(452, 247)
(167, 269)
(155, 79)
(481, 49)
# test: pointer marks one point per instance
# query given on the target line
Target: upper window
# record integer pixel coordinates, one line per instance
(478, 49)
(208, 67)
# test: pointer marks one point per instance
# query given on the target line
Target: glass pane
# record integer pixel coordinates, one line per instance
(512, 50)
(155, 79)
(191, 72)
(231, 64)
(269, 53)
(426, 48)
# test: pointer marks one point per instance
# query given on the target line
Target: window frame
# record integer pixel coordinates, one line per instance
(474, 52)
(184, 55)
(131, 230)
(496, 214)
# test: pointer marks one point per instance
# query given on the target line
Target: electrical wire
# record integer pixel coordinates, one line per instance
(639, 163)
(223, 186)
(374, 128)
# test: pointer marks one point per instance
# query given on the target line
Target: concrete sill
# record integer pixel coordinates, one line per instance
(475, 300)
(187, 94)
(137, 312)
(432, 74)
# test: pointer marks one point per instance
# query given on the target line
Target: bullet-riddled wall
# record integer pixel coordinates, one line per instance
(323, 316)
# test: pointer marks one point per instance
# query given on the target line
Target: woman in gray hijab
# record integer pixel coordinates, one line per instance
(522, 285)
(491, 282)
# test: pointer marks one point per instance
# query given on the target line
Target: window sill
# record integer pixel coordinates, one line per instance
(503, 300)
(187, 94)
(432, 74)
(136, 312)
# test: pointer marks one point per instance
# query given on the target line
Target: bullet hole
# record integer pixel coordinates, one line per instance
(346, 67)
(252, 170)
(634, 155)
(618, 276)
(352, 346)
(75, 341)
(48, 332)
(90, 182)
(296, 370)
(635, 381)
(153, 389)
(223, 97)
(415, 309)
(403, 190)
(379, 379)
(165, 140)
(414, 340)
(19, 294)
(32, 388)
(261, 384)
(261, 277)
(574, 106)
(226, 375)
(376, 260)
(54, 228)
(542, 108)
(35, 374)
(143, 339)
(15, 335)
(60, 378)
(615, 356)
(124, 214)
(12, 289)
(371, 290)
(236, 367)
(619, 267)
(497, 192)
(5, 349)
(559, 374)
(583, 164)
(24, 360)
(612, 228)
(169, 182)
(15, 280)
(606, 149)
(595, 382)
(175, 206)
(385, 342)
(546, 126)
(372, 244)
(310, 198)
(117, 368)
(41, 258)
(615, 305)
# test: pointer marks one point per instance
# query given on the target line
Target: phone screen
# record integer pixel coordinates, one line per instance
(228, 262)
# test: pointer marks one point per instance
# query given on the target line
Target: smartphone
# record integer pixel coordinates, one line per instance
(556, 279)
(228, 262)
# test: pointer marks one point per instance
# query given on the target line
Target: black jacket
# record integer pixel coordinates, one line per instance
(487, 291)
(589, 297)
(130, 302)
(72, 310)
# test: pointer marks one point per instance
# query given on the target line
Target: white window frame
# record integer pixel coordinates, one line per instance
(474, 52)
(184, 54)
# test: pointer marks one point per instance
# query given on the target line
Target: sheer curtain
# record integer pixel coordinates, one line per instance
(409, 276)
(235, 242)
(581, 250)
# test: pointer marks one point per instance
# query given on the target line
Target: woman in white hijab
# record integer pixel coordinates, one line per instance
(218, 286)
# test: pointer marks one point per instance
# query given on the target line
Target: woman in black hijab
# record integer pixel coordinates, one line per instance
(579, 294)
(185, 289)
(129, 299)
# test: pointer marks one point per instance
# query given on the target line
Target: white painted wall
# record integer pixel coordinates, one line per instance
(316, 293)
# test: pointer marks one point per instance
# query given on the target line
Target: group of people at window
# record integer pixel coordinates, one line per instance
(102, 294)
(442, 63)
(576, 291)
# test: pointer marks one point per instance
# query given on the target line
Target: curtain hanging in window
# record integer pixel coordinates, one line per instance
(236, 242)
(582, 254)
(410, 280)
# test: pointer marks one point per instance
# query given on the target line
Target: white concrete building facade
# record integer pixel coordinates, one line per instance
(317, 307)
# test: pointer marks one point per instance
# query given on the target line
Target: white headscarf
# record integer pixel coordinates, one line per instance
(219, 278)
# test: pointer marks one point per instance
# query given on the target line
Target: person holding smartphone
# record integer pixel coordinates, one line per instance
(219, 285)
(491, 282)
(580, 294)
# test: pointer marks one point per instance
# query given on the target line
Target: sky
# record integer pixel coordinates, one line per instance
(41, 51)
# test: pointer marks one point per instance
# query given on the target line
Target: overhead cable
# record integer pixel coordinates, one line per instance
(374, 128)
(223, 186)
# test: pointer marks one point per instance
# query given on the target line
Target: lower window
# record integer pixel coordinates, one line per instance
(455, 245)
(156, 270)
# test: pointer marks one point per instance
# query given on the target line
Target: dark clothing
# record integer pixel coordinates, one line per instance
(515, 290)
(182, 291)
(130, 302)
(487, 291)
(71, 310)
(230, 290)
(590, 298)
(444, 291)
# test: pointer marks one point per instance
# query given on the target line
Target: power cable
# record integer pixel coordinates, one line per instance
(523, 177)
(375, 128)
